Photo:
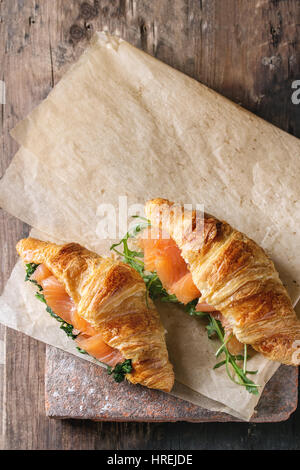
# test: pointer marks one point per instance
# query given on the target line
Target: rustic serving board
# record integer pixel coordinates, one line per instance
(78, 389)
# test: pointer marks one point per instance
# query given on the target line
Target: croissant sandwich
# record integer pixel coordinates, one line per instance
(102, 304)
(224, 273)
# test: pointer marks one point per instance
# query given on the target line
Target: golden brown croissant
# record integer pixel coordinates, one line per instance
(236, 277)
(111, 297)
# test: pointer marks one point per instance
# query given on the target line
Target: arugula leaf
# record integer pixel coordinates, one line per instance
(129, 255)
(139, 227)
(68, 329)
(82, 351)
(155, 288)
(120, 370)
(169, 298)
(219, 364)
(41, 297)
(30, 268)
(215, 328)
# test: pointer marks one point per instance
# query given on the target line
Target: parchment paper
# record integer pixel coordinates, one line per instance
(122, 123)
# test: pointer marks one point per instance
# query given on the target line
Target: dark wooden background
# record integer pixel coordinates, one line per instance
(248, 50)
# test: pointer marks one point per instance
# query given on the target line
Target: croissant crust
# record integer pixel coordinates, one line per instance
(235, 276)
(111, 296)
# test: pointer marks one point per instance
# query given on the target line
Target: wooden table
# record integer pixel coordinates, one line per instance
(248, 50)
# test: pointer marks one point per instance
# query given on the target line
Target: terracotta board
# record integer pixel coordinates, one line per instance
(78, 389)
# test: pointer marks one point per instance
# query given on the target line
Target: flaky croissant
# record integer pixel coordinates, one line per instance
(111, 296)
(236, 277)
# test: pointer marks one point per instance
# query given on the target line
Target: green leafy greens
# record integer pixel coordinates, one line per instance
(30, 269)
(132, 257)
(82, 351)
(154, 287)
(120, 370)
(155, 290)
(215, 328)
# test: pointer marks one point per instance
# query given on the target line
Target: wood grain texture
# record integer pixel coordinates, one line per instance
(248, 51)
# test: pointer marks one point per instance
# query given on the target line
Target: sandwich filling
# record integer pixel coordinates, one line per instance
(163, 256)
(61, 304)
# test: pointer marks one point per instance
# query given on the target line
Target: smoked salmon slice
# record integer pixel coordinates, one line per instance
(41, 273)
(82, 325)
(204, 307)
(63, 305)
(96, 347)
(185, 289)
(163, 256)
(57, 298)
